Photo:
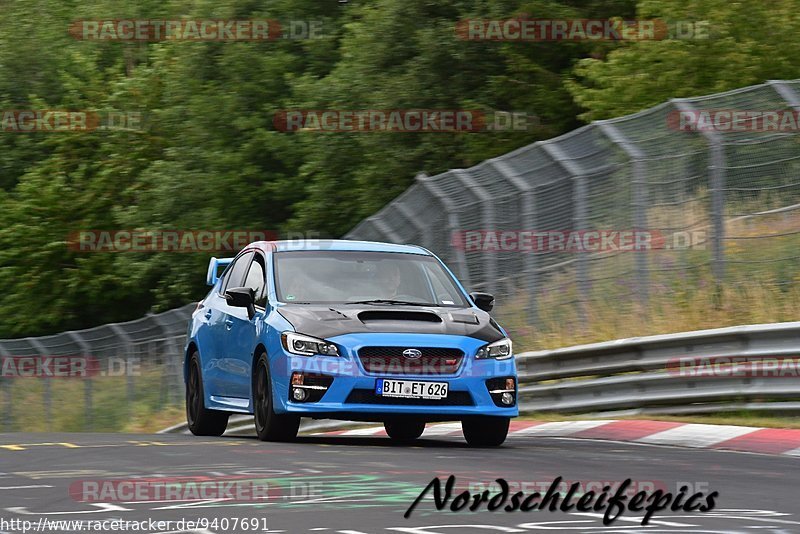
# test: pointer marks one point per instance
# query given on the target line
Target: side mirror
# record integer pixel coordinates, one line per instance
(483, 301)
(242, 297)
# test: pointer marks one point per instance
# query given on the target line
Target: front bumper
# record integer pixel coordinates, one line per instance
(351, 394)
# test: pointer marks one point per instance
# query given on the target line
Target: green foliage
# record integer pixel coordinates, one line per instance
(209, 156)
(748, 43)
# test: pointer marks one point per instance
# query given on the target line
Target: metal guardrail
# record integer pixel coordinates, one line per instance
(641, 375)
(633, 376)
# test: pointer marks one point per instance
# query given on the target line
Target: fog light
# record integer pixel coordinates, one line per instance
(299, 394)
(507, 398)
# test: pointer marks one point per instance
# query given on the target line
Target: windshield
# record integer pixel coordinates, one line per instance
(326, 277)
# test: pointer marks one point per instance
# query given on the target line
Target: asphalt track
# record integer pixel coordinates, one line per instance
(354, 485)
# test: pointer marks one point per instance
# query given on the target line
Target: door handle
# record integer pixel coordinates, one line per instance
(228, 324)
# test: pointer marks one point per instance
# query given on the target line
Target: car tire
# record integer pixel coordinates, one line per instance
(201, 420)
(404, 430)
(483, 431)
(270, 426)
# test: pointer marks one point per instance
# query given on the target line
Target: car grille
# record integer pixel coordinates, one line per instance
(368, 396)
(390, 361)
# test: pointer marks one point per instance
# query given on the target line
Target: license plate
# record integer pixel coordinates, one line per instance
(410, 389)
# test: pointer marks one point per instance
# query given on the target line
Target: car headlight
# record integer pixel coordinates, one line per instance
(499, 350)
(307, 345)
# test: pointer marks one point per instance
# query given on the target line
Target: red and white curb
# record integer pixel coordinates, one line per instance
(724, 437)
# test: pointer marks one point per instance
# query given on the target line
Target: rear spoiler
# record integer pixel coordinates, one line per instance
(213, 269)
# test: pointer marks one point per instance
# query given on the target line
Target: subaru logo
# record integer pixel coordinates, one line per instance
(412, 354)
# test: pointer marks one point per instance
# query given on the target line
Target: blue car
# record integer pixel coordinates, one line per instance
(352, 330)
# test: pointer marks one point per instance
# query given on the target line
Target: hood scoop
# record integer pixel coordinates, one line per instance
(398, 315)
(466, 318)
(331, 315)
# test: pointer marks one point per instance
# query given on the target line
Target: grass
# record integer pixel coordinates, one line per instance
(762, 285)
(154, 403)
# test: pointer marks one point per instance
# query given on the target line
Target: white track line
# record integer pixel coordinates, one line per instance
(564, 428)
(793, 452)
(371, 431)
(441, 430)
(697, 435)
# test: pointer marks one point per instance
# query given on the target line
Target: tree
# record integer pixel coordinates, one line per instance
(749, 43)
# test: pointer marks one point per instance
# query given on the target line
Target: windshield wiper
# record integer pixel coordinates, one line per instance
(391, 301)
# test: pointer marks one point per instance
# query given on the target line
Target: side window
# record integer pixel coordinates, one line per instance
(256, 281)
(235, 275)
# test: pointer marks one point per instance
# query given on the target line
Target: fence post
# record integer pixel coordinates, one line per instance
(786, 92)
(639, 200)
(88, 397)
(488, 219)
(413, 220)
(173, 360)
(528, 217)
(717, 189)
(130, 381)
(8, 395)
(385, 229)
(48, 394)
(579, 220)
(462, 270)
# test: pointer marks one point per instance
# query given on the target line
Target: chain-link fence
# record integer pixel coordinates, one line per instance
(94, 379)
(618, 214)
(695, 194)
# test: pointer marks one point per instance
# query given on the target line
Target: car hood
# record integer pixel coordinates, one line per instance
(334, 320)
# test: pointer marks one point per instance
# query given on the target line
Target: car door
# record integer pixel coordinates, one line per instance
(225, 370)
(243, 334)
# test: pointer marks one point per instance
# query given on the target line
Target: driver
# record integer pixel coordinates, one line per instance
(388, 280)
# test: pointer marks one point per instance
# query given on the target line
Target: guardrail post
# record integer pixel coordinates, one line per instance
(579, 220)
(639, 200)
(88, 397)
(717, 189)
(8, 395)
(462, 270)
(528, 217)
(488, 219)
